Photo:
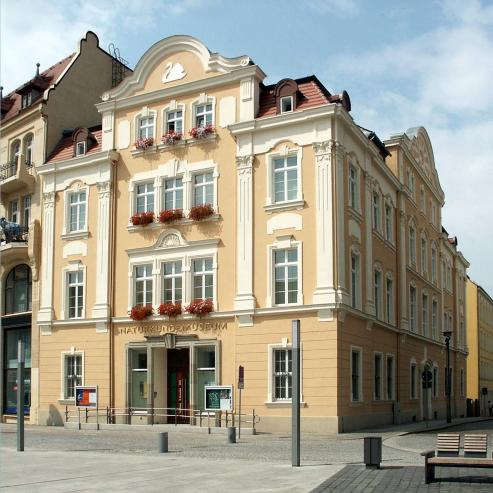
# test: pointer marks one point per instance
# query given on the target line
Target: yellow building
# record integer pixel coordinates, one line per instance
(207, 212)
(32, 119)
(480, 346)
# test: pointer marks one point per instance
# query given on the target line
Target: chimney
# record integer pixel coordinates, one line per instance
(37, 69)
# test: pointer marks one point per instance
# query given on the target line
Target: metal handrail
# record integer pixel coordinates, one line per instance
(8, 170)
(19, 234)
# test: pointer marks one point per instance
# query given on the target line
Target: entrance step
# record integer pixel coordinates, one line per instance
(12, 418)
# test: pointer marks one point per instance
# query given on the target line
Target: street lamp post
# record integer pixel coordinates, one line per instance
(448, 334)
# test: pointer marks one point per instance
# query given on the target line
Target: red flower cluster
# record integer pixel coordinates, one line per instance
(144, 143)
(200, 307)
(142, 218)
(199, 212)
(141, 312)
(170, 309)
(169, 215)
(171, 137)
(201, 132)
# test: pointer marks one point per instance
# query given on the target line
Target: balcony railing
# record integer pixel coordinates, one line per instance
(29, 164)
(13, 233)
(8, 170)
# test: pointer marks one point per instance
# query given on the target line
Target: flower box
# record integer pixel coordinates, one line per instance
(170, 309)
(202, 132)
(170, 215)
(141, 312)
(142, 218)
(144, 143)
(200, 212)
(171, 138)
(200, 307)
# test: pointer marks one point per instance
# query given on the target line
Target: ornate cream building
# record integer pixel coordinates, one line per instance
(32, 120)
(268, 203)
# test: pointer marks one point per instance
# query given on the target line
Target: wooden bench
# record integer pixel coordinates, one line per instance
(475, 451)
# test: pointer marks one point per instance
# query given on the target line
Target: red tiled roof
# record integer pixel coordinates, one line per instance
(312, 93)
(65, 147)
(12, 102)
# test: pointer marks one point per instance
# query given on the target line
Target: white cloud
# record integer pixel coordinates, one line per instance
(441, 80)
(341, 8)
(52, 29)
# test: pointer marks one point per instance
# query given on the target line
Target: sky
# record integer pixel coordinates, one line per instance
(404, 64)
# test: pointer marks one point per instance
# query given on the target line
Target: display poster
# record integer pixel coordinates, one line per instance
(219, 398)
(86, 396)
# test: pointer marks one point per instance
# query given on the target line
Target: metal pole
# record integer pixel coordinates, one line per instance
(20, 396)
(449, 413)
(239, 420)
(295, 399)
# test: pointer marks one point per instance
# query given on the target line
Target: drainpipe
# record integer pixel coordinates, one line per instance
(397, 298)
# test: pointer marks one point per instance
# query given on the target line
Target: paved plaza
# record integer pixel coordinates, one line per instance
(58, 459)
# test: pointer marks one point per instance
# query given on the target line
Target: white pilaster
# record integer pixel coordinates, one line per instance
(101, 305)
(324, 291)
(108, 124)
(244, 299)
(369, 303)
(402, 269)
(338, 155)
(45, 314)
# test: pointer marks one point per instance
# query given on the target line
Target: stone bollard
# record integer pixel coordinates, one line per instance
(231, 434)
(163, 442)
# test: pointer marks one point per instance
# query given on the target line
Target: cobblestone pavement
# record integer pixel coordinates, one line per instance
(357, 479)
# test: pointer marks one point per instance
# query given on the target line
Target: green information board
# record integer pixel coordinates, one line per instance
(219, 398)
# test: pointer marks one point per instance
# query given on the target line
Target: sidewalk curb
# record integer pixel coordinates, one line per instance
(444, 426)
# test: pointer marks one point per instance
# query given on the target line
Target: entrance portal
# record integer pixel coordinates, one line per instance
(179, 383)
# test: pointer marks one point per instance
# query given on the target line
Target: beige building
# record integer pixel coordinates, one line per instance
(32, 119)
(207, 212)
(480, 346)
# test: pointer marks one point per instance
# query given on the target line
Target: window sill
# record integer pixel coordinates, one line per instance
(181, 222)
(67, 402)
(75, 235)
(167, 147)
(285, 206)
(281, 404)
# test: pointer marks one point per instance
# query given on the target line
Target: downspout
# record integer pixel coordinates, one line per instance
(398, 298)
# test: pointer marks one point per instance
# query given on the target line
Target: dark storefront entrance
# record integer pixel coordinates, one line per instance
(179, 381)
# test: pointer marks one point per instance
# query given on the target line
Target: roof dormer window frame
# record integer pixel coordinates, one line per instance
(80, 148)
(27, 98)
(286, 101)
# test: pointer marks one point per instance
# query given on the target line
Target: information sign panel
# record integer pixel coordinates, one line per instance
(219, 398)
(86, 396)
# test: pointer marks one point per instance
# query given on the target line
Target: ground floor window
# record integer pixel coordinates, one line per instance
(72, 374)
(206, 371)
(282, 374)
(356, 375)
(138, 377)
(377, 376)
(390, 378)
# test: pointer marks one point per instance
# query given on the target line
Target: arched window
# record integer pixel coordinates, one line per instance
(18, 286)
(28, 150)
(15, 153)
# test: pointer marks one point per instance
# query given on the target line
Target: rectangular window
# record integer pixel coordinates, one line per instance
(146, 127)
(172, 282)
(75, 287)
(434, 319)
(286, 104)
(80, 148)
(422, 200)
(144, 197)
(354, 280)
(282, 374)
(413, 381)
(143, 284)
(203, 115)
(206, 371)
(390, 300)
(424, 256)
(174, 121)
(203, 189)
(26, 99)
(286, 276)
(388, 223)
(412, 308)
(433, 265)
(377, 286)
(203, 279)
(424, 315)
(376, 211)
(355, 375)
(26, 205)
(173, 193)
(377, 376)
(390, 378)
(353, 187)
(14, 211)
(285, 171)
(73, 374)
(138, 377)
(435, 382)
(77, 211)
(412, 245)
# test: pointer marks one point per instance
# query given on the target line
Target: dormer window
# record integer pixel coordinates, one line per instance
(27, 99)
(80, 149)
(286, 104)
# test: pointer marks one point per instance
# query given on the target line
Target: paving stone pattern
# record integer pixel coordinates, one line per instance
(407, 479)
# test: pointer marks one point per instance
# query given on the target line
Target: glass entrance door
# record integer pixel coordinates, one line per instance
(179, 383)
(138, 386)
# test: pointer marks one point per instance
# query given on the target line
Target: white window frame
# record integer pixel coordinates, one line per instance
(360, 374)
(380, 389)
(80, 148)
(145, 113)
(433, 264)
(202, 275)
(412, 244)
(28, 148)
(147, 278)
(66, 231)
(281, 101)
(173, 191)
(167, 120)
(271, 348)
(204, 114)
(422, 199)
(26, 209)
(424, 254)
(389, 222)
(14, 212)
(356, 288)
(353, 186)
(15, 151)
(297, 202)
(378, 292)
(73, 267)
(282, 243)
(173, 276)
(203, 186)
(413, 308)
(147, 126)
(376, 208)
(388, 397)
(434, 318)
(389, 298)
(145, 195)
(63, 373)
(173, 106)
(425, 314)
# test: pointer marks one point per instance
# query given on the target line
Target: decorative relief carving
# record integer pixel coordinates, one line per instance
(104, 188)
(171, 240)
(322, 147)
(244, 164)
(173, 71)
(49, 200)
